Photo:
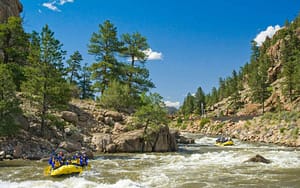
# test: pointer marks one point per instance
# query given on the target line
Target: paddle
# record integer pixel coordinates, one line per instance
(47, 170)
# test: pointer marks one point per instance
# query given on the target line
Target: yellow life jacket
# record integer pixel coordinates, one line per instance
(56, 164)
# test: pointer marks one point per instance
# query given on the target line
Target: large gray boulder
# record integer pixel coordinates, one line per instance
(70, 117)
(100, 141)
(116, 116)
(70, 146)
(156, 141)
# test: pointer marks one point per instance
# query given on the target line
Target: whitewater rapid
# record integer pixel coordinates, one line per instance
(197, 165)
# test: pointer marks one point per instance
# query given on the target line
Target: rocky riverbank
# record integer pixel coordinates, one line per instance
(83, 127)
(278, 128)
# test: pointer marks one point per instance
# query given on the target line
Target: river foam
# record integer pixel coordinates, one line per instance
(197, 165)
(69, 182)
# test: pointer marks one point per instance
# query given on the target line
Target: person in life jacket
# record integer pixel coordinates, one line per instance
(61, 158)
(77, 159)
(84, 160)
(52, 159)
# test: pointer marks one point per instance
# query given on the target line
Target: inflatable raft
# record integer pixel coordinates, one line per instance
(227, 143)
(63, 170)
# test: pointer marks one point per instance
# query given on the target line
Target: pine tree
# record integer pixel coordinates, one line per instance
(136, 75)
(45, 84)
(290, 59)
(14, 47)
(104, 45)
(9, 104)
(199, 101)
(188, 106)
(260, 83)
(74, 67)
(85, 84)
(235, 90)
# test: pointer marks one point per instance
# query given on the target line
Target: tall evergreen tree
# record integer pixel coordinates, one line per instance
(290, 59)
(188, 106)
(45, 84)
(74, 67)
(235, 94)
(136, 76)
(14, 47)
(200, 101)
(260, 83)
(9, 104)
(104, 45)
(85, 83)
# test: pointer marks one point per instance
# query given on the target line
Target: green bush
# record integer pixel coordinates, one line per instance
(282, 129)
(296, 133)
(118, 97)
(203, 122)
(9, 104)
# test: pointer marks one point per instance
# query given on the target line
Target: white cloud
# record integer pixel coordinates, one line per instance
(270, 31)
(172, 104)
(152, 55)
(61, 2)
(51, 6)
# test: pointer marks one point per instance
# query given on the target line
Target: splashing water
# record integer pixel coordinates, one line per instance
(197, 165)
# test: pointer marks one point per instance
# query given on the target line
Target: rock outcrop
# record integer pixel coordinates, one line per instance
(9, 8)
(83, 127)
(258, 159)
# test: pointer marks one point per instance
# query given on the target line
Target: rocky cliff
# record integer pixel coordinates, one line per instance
(83, 127)
(9, 8)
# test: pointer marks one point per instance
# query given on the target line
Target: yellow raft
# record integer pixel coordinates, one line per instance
(227, 143)
(63, 170)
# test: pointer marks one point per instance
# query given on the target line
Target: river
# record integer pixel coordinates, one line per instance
(196, 165)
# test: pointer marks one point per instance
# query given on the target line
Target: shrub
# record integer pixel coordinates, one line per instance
(203, 122)
(118, 97)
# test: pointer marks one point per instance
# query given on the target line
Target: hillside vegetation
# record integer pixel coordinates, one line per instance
(35, 66)
(270, 81)
(260, 102)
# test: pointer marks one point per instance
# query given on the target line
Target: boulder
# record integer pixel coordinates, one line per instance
(184, 140)
(157, 141)
(17, 151)
(69, 117)
(118, 127)
(100, 141)
(9, 157)
(116, 116)
(70, 146)
(165, 142)
(258, 159)
(109, 121)
(111, 148)
(84, 117)
(130, 141)
(2, 155)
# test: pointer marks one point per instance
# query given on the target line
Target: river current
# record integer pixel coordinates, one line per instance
(196, 165)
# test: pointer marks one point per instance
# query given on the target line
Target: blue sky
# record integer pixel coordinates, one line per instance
(194, 42)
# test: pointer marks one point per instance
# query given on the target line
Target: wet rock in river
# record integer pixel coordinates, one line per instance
(259, 159)
(184, 140)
